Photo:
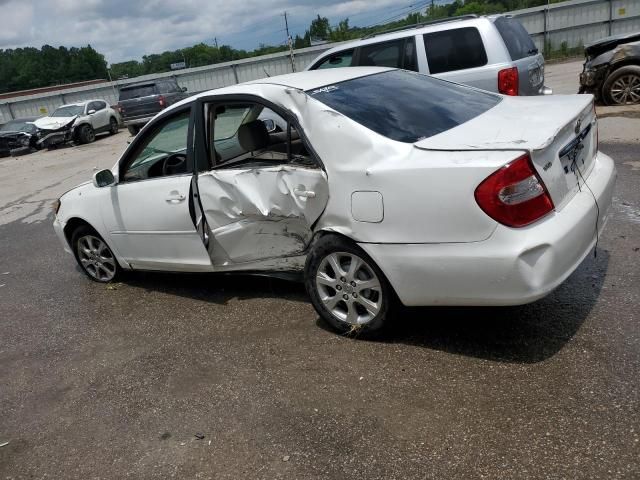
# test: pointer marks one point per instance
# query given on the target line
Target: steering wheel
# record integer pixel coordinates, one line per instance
(175, 163)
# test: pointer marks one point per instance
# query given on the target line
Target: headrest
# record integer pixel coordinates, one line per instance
(253, 136)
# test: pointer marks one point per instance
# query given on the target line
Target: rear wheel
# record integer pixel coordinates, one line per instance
(86, 134)
(94, 256)
(346, 287)
(113, 126)
(622, 86)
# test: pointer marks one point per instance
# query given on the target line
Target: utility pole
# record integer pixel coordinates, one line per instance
(215, 40)
(290, 42)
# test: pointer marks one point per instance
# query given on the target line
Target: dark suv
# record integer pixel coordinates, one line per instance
(140, 102)
(612, 70)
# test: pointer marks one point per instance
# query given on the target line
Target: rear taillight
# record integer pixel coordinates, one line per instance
(514, 195)
(120, 108)
(508, 81)
(161, 101)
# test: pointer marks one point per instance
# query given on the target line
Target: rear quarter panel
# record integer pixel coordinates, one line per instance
(428, 196)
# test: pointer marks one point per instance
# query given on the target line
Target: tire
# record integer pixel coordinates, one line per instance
(133, 130)
(113, 126)
(86, 134)
(339, 296)
(622, 86)
(94, 256)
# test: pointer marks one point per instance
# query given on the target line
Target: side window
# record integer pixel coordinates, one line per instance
(410, 58)
(387, 54)
(91, 106)
(252, 135)
(340, 59)
(163, 151)
(97, 106)
(169, 86)
(455, 49)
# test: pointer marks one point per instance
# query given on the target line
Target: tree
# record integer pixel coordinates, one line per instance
(320, 28)
(341, 31)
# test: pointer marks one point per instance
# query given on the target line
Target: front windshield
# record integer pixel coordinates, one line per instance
(17, 127)
(68, 111)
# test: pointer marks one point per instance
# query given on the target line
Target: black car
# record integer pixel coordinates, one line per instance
(18, 137)
(612, 70)
(140, 102)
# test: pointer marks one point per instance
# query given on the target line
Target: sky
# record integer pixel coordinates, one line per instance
(127, 29)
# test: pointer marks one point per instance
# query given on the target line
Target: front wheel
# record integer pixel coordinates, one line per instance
(86, 134)
(94, 256)
(113, 126)
(133, 130)
(346, 287)
(622, 86)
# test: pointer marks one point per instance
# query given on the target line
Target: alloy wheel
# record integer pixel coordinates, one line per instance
(349, 288)
(626, 90)
(96, 258)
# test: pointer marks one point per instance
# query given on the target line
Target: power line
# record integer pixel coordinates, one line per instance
(398, 17)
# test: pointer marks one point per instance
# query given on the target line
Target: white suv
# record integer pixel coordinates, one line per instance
(77, 122)
(492, 53)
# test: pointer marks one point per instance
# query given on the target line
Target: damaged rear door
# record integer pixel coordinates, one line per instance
(261, 193)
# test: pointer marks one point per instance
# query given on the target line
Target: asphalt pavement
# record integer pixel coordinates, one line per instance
(233, 377)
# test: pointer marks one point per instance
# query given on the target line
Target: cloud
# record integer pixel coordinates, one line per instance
(126, 29)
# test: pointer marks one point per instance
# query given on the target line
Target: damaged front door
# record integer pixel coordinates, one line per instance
(265, 191)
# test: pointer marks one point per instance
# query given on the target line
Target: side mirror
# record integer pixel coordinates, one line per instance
(91, 112)
(184, 89)
(270, 124)
(103, 178)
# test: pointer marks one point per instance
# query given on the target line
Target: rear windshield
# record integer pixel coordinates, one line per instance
(516, 38)
(136, 92)
(405, 106)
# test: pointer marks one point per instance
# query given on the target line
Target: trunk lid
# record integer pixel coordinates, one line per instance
(559, 133)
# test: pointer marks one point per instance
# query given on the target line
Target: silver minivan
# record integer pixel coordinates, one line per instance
(493, 53)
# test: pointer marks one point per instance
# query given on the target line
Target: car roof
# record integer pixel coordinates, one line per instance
(306, 80)
(139, 84)
(82, 103)
(309, 80)
(408, 32)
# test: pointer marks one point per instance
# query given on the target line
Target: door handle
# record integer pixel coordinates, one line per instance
(304, 193)
(175, 197)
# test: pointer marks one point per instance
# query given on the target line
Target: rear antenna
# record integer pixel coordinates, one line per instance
(265, 72)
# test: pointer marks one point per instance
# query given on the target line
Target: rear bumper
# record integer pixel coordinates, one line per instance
(513, 266)
(138, 121)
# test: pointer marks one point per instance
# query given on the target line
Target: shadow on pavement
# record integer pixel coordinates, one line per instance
(520, 334)
(216, 288)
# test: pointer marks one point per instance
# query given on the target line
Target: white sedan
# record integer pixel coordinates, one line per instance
(385, 185)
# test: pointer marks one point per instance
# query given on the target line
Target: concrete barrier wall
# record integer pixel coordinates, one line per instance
(575, 22)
